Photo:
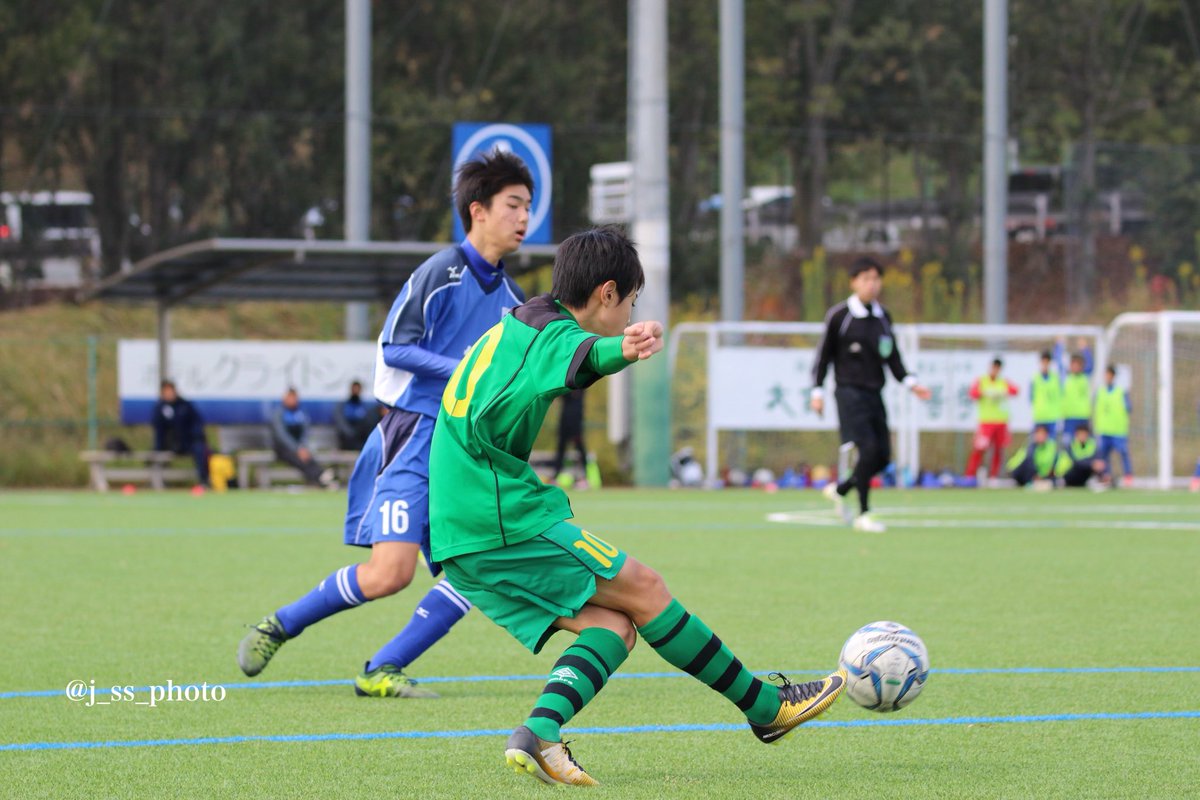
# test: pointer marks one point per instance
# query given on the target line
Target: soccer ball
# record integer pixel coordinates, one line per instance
(886, 665)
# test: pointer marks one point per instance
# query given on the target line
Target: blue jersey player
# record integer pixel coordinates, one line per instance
(448, 303)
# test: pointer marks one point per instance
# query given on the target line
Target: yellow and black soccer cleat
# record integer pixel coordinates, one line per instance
(800, 703)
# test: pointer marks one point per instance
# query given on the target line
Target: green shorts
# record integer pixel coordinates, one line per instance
(525, 587)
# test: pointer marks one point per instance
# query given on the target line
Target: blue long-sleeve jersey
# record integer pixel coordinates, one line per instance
(1061, 360)
(448, 303)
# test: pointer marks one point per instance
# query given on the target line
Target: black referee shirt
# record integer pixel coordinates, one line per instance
(858, 341)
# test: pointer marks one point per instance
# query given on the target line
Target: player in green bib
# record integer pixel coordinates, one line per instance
(1112, 423)
(502, 534)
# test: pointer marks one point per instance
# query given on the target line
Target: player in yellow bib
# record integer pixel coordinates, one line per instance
(1112, 423)
(991, 392)
(502, 535)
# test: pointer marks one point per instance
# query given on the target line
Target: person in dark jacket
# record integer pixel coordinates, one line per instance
(179, 428)
(355, 418)
(857, 343)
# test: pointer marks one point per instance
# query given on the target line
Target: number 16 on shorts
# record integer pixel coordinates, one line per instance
(395, 517)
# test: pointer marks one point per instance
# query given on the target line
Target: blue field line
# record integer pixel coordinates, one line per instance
(686, 728)
(628, 676)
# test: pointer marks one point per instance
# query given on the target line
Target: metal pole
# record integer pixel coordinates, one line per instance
(357, 201)
(733, 179)
(1166, 408)
(93, 424)
(651, 231)
(164, 340)
(995, 175)
(631, 96)
(712, 437)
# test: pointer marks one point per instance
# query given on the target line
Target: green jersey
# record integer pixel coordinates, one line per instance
(483, 494)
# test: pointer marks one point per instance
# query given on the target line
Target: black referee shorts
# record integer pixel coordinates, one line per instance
(863, 420)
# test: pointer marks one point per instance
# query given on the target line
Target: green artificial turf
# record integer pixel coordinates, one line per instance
(1096, 590)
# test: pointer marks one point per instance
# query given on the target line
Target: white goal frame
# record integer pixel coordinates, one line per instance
(905, 427)
(1164, 323)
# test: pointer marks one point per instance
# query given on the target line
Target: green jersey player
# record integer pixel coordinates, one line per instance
(502, 534)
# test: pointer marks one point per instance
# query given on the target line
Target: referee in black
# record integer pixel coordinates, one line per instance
(858, 341)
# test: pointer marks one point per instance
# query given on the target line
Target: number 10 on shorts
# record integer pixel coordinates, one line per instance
(395, 516)
(597, 548)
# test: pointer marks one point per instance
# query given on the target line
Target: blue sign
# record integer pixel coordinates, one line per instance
(531, 143)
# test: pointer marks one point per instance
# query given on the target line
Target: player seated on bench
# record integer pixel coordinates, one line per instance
(289, 438)
(179, 428)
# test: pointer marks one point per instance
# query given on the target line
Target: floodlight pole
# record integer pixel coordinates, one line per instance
(733, 178)
(357, 200)
(651, 232)
(995, 174)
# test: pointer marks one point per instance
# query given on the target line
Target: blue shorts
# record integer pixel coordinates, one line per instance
(389, 488)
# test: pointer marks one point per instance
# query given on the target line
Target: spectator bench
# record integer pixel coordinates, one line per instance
(154, 467)
(249, 445)
(257, 464)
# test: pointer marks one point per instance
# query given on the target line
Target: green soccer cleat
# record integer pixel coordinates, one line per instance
(260, 644)
(549, 762)
(388, 680)
(800, 703)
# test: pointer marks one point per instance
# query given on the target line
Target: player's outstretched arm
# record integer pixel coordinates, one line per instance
(642, 340)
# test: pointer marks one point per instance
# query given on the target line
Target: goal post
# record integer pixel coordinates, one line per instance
(1161, 351)
(950, 357)
(753, 378)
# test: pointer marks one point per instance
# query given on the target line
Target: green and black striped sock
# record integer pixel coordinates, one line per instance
(578, 675)
(684, 641)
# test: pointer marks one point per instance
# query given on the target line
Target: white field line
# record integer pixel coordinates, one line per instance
(1072, 510)
(827, 518)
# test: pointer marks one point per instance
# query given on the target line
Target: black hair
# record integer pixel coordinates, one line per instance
(996, 362)
(1111, 370)
(863, 264)
(588, 259)
(1046, 356)
(1044, 429)
(479, 180)
(1083, 426)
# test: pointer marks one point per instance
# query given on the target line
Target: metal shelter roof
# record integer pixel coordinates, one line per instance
(216, 270)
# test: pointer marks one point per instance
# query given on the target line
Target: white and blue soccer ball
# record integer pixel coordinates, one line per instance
(886, 666)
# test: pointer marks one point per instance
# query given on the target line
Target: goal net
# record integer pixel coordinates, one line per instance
(740, 393)
(938, 435)
(1157, 356)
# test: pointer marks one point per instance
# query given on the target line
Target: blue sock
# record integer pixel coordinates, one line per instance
(435, 615)
(336, 593)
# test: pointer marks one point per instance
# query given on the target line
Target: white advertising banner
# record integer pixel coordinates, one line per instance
(238, 381)
(766, 388)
